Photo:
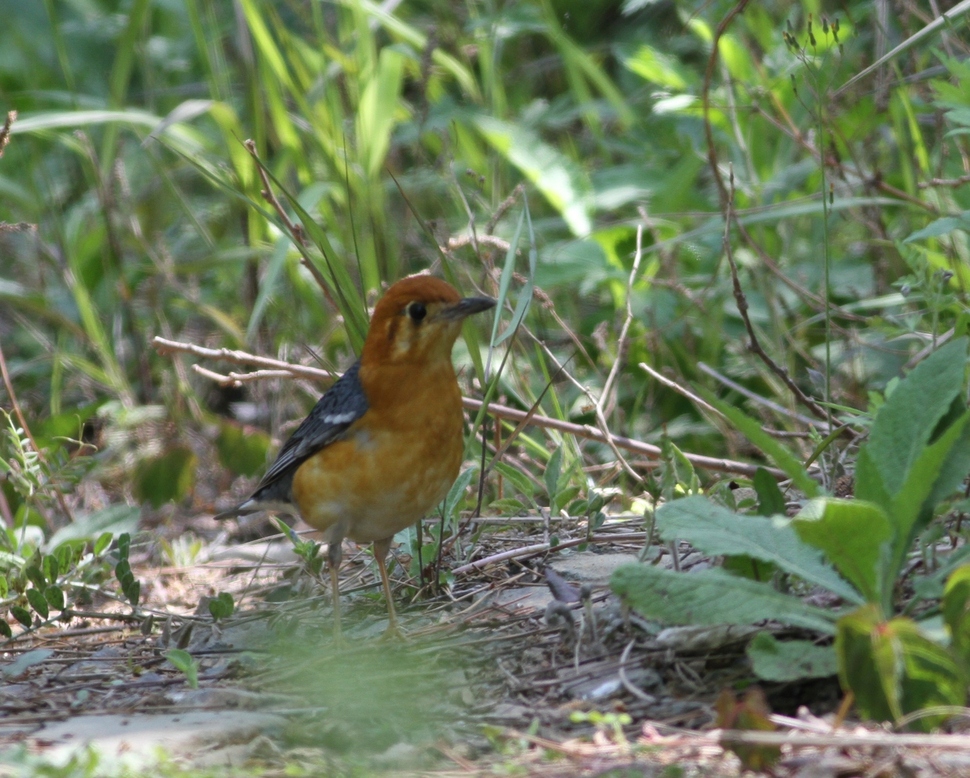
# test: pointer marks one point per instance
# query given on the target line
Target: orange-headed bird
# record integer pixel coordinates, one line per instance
(382, 446)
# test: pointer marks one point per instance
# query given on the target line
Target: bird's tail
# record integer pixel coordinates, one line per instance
(243, 509)
(255, 505)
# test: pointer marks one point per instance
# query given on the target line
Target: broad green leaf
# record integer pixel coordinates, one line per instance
(956, 611)
(559, 178)
(184, 662)
(659, 68)
(457, 490)
(522, 483)
(893, 669)
(931, 676)
(105, 538)
(38, 602)
(378, 110)
(909, 511)
(906, 422)
(716, 530)
(868, 483)
(851, 534)
(222, 606)
(22, 615)
(55, 597)
(790, 660)
(874, 685)
(551, 476)
(712, 597)
(941, 227)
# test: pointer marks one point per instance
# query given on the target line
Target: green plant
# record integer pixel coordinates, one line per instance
(186, 664)
(43, 578)
(916, 456)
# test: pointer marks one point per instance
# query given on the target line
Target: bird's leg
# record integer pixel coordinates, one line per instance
(334, 555)
(381, 547)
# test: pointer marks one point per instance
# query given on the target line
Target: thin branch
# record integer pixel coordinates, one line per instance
(757, 398)
(742, 302)
(164, 347)
(680, 389)
(501, 411)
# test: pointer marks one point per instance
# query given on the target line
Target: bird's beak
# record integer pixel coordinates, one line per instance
(467, 306)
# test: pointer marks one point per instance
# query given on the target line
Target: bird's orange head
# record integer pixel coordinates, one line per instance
(417, 321)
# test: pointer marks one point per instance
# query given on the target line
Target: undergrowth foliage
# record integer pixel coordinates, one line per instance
(720, 229)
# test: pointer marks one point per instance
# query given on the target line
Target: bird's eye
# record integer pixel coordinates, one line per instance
(417, 311)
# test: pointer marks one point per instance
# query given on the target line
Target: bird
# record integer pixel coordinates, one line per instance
(381, 447)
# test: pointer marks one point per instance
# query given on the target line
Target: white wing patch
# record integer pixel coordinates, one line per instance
(340, 418)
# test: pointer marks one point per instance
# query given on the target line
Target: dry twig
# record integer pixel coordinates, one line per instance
(512, 414)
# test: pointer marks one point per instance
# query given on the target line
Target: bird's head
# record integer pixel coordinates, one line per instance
(418, 320)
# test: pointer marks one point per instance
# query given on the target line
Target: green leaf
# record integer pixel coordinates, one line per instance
(560, 179)
(52, 568)
(166, 478)
(508, 506)
(712, 597)
(55, 597)
(942, 226)
(790, 660)
(35, 576)
(457, 491)
(242, 449)
(522, 483)
(893, 669)
(5, 630)
(910, 510)
(716, 530)
(38, 602)
(376, 114)
(222, 606)
(874, 686)
(22, 615)
(103, 541)
(956, 611)
(771, 502)
(184, 662)
(851, 533)
(551, 476)
(658, 67)
(908, 420)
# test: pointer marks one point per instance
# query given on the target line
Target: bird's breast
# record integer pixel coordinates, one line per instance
(391, 469)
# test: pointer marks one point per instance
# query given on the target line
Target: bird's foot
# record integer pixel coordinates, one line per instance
(393, 634)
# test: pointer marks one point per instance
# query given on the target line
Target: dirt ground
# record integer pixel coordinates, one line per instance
(511, 668)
